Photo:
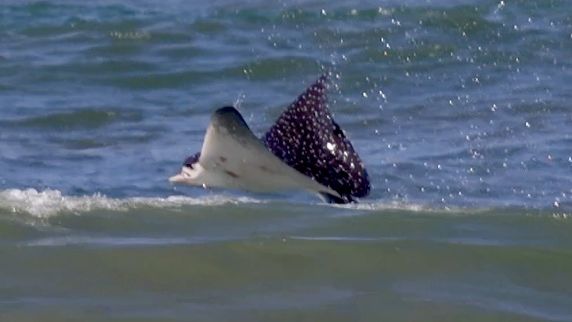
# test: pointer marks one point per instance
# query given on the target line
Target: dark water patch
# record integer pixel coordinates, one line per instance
(87, 118)
(90, 30)
(182, 51)
(268, 68)
(63, 15)
(98, 68)
(102, 143)
(207, 26)
(420, 57)
(5, 88)
(161, 80)
(38, 10)
(545, 108)
(462, 20)
(166, 36)
(117, 49)
(309, 15)
(81, 119)
(52, 32)
(262, 69)
(243, 16)
(84, 144)
(356, 13)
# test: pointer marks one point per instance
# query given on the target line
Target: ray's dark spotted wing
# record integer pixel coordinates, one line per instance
(308, 139)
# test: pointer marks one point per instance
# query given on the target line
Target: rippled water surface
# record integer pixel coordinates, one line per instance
(460, 110)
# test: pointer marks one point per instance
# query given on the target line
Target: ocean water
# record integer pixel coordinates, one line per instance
(460, 109)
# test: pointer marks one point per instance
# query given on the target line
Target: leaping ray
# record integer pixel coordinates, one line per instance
(304, 150)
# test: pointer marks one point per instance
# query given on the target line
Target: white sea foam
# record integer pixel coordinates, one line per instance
(50, 202)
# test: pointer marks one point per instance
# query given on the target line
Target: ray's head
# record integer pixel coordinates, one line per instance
(190, 171)
(191, 161)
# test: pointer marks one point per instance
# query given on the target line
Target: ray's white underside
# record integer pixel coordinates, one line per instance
(233, 157)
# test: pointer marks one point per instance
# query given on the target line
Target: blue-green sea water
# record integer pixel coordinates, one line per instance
(460, 109)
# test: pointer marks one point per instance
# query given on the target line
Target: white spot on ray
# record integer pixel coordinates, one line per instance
(331, 146)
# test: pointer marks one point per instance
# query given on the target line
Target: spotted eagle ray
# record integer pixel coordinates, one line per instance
(305, 149)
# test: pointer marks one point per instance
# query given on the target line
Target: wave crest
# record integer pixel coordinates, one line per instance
(50, 202)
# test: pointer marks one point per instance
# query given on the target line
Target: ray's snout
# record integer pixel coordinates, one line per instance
(185, 175)
(179, 178)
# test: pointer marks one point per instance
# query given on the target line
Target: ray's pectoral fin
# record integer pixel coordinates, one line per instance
(228, 137)
(307, 138)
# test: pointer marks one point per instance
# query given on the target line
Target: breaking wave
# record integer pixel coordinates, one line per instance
(50, 202)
